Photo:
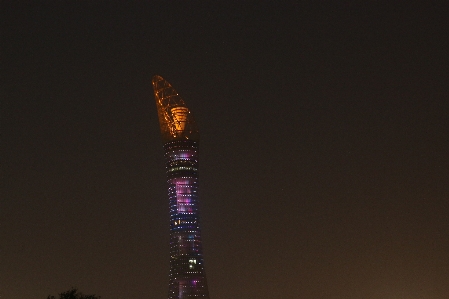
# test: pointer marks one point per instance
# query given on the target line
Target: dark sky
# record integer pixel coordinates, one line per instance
(324, 147)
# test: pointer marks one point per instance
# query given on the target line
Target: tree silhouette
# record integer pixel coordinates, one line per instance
(73, 294)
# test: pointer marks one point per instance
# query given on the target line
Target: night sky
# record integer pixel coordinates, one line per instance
(324, 160)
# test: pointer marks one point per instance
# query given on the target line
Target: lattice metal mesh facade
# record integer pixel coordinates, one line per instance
(175, 119)
(187, 277)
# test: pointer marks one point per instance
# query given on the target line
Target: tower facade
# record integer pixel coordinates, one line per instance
(187, 278)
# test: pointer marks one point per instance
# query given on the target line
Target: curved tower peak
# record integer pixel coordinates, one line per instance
(175, 119)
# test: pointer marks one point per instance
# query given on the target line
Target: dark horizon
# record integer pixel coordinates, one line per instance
(324, 147)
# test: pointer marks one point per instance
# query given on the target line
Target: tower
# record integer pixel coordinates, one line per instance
(180, 136)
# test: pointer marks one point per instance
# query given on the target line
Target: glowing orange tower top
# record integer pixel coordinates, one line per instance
(175, 119)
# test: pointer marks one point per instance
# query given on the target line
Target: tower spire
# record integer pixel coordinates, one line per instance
(175, 119)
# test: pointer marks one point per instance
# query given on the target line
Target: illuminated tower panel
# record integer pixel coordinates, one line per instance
(187, 277)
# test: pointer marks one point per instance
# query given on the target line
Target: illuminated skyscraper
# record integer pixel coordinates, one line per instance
(181, 137)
